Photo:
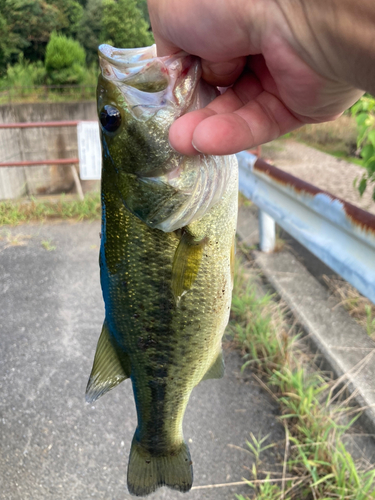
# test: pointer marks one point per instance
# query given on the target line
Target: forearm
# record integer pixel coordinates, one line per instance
(335, 37)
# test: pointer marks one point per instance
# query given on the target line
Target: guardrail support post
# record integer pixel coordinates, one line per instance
(267, 232)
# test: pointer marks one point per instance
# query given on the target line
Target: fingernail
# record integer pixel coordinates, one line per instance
(195, 147)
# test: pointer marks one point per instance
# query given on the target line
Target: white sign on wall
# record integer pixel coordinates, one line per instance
(89, 151)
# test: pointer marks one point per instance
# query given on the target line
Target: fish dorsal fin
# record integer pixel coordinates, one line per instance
(186, 263)
(109, 369)
(217, 369)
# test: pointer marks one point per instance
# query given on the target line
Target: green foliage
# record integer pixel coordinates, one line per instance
(123, 25)
(364, 112)
(24, 74)
(90, 28)
(65, 60)
(70, 13)
(28, 26)
(142, 6)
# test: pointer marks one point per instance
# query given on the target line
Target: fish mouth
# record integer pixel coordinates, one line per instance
(141, 68)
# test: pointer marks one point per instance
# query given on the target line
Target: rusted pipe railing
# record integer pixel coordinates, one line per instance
(66, 123)
(26, 163)
(338, 233)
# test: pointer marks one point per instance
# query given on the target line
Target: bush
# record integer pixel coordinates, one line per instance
(65, 61)
(24, 74)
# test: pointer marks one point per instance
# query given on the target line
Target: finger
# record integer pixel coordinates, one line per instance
(246, 89)
(223, 74)
(181, 131)
(261, 120)
(164, 47)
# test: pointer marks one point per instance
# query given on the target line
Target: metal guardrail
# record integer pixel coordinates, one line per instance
(338, 233)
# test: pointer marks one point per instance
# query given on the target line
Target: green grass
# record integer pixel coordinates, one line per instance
(47, 245)
(316, 464)
(14, 213)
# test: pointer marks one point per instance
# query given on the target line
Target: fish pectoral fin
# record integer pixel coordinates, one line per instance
(109, 369)
(147, 472)
(186, 263)
(217, 369)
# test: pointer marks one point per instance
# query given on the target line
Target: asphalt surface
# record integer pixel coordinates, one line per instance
(55, 446)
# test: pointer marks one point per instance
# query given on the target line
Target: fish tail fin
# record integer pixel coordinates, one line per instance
(146, 472)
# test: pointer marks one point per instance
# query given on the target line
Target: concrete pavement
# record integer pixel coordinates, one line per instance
(55, 446)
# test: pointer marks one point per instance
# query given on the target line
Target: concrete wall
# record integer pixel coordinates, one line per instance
(37, 144)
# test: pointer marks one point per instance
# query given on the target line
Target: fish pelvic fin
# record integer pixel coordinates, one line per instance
(217, 369)
(146, 472)
(111, 366)
(186, 263)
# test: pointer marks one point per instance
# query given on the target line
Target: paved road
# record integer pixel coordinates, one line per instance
(52, 444)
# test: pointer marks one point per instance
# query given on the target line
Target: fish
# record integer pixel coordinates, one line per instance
(166, 255)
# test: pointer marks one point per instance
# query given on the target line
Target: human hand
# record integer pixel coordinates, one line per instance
(278, 80)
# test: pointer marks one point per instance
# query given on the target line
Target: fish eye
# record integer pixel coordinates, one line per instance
(110, 118)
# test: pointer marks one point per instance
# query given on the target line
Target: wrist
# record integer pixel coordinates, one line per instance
(335, 37)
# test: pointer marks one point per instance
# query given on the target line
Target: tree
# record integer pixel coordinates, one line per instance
(69, 17)
(90, 28)
(142, 6)
(65, 60)
(123, 25)
(29, 24)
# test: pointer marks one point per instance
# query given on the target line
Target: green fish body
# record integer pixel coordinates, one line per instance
(166, 257)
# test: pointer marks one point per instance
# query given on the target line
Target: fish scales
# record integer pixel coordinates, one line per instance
(166, 258)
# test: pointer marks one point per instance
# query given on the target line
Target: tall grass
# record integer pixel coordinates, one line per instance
(316, 464)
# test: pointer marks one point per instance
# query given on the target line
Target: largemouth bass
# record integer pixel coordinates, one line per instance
(166, 257)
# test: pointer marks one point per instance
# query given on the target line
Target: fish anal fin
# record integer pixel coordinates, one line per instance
(186, 263)
(110, 367)
(147, 472)
(217, 369)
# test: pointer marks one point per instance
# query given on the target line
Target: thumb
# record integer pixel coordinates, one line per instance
(223, 73)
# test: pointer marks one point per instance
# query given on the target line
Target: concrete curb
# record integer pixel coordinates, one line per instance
(344, 345)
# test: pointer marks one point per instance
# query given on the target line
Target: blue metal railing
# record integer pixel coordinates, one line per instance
(338, 233)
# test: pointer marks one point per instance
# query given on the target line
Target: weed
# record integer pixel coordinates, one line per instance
(13, 240)
(47, 245)
(14, 213)
(316, 464)
(370, 320)
(243, 201)
(358, 306)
